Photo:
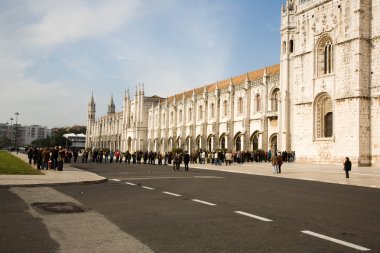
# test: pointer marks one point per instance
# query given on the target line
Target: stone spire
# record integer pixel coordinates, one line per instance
(205, 92)
(92, 102)
(111, 106)
(231, 86)
(91, 108)
(126, 95)
(194, 96)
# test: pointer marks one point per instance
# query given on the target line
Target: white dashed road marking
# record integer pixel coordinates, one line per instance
(146, 187)
(173, 194)
(130, 183)
(203, 202)
(116, 180)
(351, 245)
(252, 216)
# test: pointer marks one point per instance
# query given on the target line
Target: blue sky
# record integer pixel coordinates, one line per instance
(56, 53)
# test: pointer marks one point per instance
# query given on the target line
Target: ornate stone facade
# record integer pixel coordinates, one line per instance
(324, 104)
(330, 80)
(237, 114)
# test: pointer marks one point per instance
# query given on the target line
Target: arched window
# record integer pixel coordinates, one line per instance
(171, 118)
(328, 59)
(273, 143)
(328, 124)
(189, 117)
(240, 105)
(223, 142)
(255, 142)
(180, 116)
(225, 108)
(209, 144)
(212, 109)
(323, 116)
(198, 142)
(275, 99)
(325, 56)
(291, 46)
(284, 47)
(258, 103)
(238, 143)
(200, 113)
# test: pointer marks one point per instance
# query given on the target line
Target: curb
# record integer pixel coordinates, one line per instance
(55, 184)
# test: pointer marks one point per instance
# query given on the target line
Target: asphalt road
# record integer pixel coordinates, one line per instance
(209, 211)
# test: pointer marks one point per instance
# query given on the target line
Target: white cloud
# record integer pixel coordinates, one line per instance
(42, 33)
(48, 104)
(69, 21)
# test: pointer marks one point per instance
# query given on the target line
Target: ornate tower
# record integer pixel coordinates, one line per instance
(288, 29)
(90, 120)
(111, 106)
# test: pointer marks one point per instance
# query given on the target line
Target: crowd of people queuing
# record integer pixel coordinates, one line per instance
(45, 158)
(178, 157)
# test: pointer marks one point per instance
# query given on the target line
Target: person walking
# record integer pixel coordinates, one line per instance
(347, 167)
(45, 158)
(186, 160)
(30, 155)
(177, 161)
(228, 158)
(274, 163)
(61, 158)
(279, 162)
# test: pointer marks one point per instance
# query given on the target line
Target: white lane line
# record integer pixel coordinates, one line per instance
(173, 194)
(114, 179)
(351, 245)
(253, 216)
(146, 187)
(203, 202)
(130, 183)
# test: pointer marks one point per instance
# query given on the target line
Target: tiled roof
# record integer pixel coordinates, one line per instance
(252, 76)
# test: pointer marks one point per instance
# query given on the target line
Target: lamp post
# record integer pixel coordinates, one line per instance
(12, 132)
(100, 136)
(16, 144)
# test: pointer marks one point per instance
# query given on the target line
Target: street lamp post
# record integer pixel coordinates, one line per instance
(17, 114)
(12, 131)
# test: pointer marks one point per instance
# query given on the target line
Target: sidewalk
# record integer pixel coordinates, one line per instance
(359, 176)
(69, 175)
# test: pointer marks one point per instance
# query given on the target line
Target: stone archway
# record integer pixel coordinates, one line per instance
(255, 141)
(129, 144)
(273, 142)
(238, 142)
(222, 142)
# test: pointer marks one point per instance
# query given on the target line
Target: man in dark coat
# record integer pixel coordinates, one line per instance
(347, 166)
(186, 160)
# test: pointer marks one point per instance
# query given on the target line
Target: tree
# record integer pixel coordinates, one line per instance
(52, 142)
(78, 129)
(5, 142)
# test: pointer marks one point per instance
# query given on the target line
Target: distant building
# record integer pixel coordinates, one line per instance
(5, 130)
(23, 135)
(31, 133)
(77, 140)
